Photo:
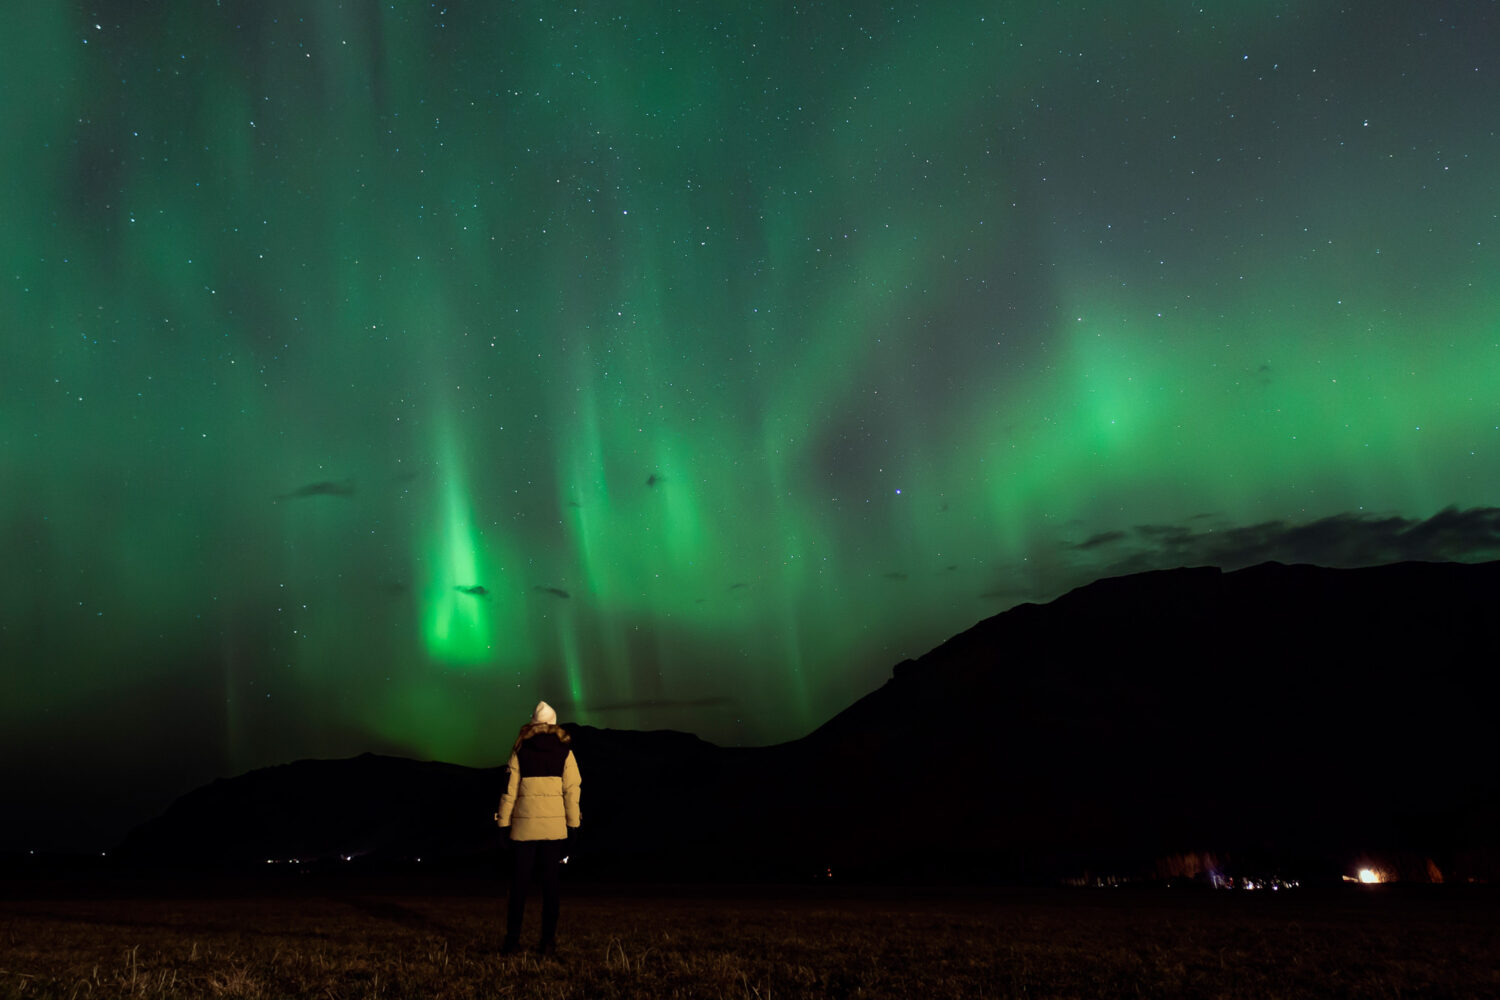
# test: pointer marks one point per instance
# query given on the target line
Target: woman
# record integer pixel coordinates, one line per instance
(539, 807)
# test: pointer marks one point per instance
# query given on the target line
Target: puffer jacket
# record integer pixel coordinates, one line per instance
(541, 797)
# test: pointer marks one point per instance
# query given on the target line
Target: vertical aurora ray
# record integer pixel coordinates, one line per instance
(567, 641)
(456, 625)
(472, 603)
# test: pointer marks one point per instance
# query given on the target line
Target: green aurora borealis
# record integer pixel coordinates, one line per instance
(372, 371)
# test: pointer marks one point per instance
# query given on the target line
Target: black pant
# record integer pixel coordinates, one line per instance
(527, 854)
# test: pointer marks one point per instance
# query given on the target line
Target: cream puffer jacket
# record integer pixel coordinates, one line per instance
(541, 795)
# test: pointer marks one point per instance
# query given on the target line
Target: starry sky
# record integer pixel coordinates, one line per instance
(371, 371)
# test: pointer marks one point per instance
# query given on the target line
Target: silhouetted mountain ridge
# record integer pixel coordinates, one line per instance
(1293, 713)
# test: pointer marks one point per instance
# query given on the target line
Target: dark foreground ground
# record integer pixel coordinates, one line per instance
(390, 940)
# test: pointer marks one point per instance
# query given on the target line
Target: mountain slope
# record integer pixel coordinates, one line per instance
(1294, 714)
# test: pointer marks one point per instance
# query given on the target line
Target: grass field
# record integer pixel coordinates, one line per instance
(370, 941)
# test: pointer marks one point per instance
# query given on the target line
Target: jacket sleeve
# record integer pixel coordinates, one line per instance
(572, 781)
(508, 797)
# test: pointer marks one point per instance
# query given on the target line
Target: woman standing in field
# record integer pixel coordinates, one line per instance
(539, 807)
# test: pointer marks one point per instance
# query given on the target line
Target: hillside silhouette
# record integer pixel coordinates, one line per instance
(1288, 717)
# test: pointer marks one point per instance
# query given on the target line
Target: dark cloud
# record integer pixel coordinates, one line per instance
(1160, 531)
(327, 488)
(1102, 538)
(1342, 540)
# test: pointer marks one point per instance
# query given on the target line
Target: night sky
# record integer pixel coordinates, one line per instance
(369, 372)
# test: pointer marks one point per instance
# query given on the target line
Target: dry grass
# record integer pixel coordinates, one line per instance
(1064, 943)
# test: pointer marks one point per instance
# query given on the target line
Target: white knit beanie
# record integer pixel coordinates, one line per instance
(544, 714)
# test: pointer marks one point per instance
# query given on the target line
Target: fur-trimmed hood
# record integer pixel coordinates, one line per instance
(541, 729)
(533, 728)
